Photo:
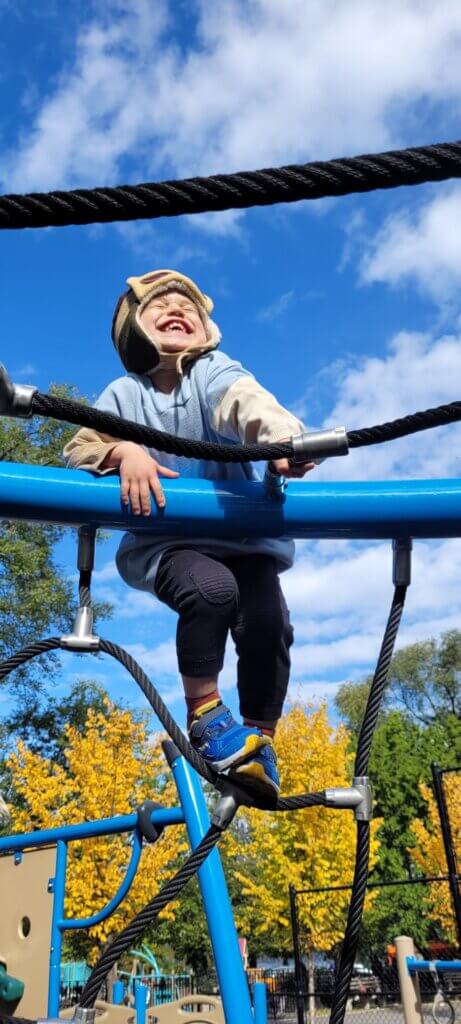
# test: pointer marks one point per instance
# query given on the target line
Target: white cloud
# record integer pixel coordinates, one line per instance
(417, 372)
(257, 84)
(276, 308)
(422, 248)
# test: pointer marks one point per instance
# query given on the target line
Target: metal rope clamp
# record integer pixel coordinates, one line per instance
(82, 1014)
(15, 399)
(82, 638)
(318, 445)
(358, 798)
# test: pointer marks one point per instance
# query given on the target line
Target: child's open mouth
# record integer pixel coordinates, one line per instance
(175, 326)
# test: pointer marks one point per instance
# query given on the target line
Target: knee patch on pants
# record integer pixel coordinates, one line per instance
(215, 584)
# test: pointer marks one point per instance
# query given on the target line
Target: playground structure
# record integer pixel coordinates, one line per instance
(398, 511)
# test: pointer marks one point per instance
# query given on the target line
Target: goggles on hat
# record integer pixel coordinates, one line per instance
(147, 284)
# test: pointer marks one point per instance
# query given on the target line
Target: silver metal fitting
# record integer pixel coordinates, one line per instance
(320, 444)
(84, 1014)
(401, 563)
(83, 638)
(274, 484)
(15, 399)
(358, 798)
(224, 811)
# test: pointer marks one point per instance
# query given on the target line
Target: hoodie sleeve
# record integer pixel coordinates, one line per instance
(242, 410)
(88, 448)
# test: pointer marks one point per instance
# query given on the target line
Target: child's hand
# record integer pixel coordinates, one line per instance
(285, 468)
(139, 475)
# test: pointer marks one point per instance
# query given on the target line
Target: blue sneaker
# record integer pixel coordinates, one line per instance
(260, 773)
(222, 741)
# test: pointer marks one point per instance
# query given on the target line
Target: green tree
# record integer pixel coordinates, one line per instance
(418, 724)
(36, 598)
(424, 683)
(425, 678)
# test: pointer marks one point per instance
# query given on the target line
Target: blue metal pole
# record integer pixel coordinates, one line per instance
(118, 993)
(416, 966)
(140, 1002)
(232, 979)
(124, 888)
(260, 1002)
(87, 830)
(382, 509)
(59, 886)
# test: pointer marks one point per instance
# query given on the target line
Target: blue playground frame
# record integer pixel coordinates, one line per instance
(377, 510)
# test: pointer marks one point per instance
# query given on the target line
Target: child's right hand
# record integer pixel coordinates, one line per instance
(139, 476)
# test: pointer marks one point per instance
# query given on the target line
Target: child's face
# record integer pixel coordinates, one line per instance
(173, 321)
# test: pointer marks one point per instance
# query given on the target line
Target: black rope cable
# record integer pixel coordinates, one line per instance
(378, 685)
(30, 651)
(439, 416)
(352, 933)
(87, 416)
(354, 920)
(287, 184)
(128, 430)
(84, 592)
(126, 938)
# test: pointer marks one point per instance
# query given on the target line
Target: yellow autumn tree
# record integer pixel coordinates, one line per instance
(111, 769)
(429, 852)
(310, 848)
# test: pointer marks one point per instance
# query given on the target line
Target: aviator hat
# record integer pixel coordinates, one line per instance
(139, 352)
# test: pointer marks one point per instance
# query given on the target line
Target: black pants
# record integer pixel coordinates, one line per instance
(240, 594)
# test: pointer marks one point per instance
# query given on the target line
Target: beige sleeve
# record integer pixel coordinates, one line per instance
(88, 449)
(253, 414)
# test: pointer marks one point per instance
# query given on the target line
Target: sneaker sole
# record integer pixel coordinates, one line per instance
(252, 744)
(256, 778)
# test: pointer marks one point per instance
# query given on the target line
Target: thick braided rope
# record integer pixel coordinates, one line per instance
(126, 938)
(439, 416)
(31, 651)
(128, 430)
(84, 589)
(264, 187)
(354, 920)
(379, 682)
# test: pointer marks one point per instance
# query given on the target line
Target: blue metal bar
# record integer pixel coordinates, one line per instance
(415, 966)
(260, 1002)
(383, 509)
(229, 967)
(118, 992)
(140, 1002)
(59, 886)
(88, 922)
(88, 830)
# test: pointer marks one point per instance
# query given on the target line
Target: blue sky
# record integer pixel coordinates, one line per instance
(346, 309)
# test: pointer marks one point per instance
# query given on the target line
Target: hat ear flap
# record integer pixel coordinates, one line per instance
(136, 352)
